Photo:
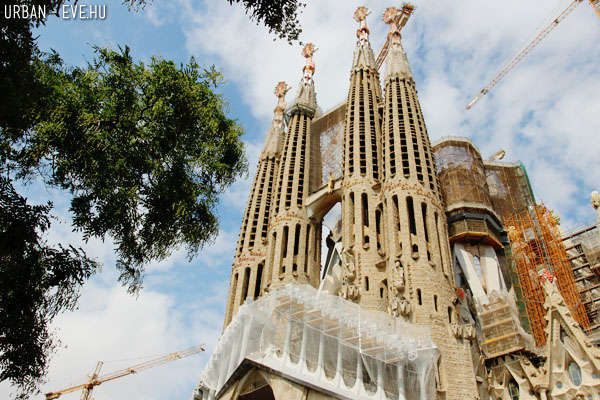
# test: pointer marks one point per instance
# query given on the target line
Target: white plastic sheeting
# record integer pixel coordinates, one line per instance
(329, 343)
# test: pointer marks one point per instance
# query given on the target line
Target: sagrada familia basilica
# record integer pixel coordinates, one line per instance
(444, 279)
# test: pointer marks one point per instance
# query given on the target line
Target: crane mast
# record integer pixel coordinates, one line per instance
(540, 36)
(95, 380)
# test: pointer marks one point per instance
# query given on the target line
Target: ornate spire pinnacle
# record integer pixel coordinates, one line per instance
(309, 68)
(306, 98)
(360, 16)
(273, 142)
(363, 54)
(396, 63)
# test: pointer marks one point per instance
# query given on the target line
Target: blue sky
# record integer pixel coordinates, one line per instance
(545, 113)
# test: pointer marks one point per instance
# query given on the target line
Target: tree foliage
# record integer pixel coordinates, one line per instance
(37, 281)
(145, 151)
(280, 16)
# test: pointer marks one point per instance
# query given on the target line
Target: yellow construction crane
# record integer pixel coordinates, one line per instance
(401, 20)
(95, 380)
(540, 36)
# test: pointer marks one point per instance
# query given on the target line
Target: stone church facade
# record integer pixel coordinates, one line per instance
(405, 306)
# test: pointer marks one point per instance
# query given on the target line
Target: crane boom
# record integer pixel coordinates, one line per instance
(95, 380)
(540, 36)
(401, 20)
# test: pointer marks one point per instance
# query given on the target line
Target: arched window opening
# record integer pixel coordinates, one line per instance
(284, 243)
(245, 285)
(424, 215)
(365, 209)
(396, 211)
(272, 255)
(411, 215)
(574, 373)
(563, 334)
(306, 254)
(296, 239)
(450, 314)
(351, 206)
(256, 387)
(258, 282)
(477, 264)
(513, 390)
(419, 299)
(367, 283)
(435, 305)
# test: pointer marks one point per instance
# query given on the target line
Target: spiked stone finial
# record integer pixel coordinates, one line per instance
(280, 91)
(360, 16)
(309, 68)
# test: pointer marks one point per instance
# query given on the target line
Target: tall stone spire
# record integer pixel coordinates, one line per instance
(247, 272)
(362, 210)
(294, 248)
(396, 62)
(275, 133)
(419, 266)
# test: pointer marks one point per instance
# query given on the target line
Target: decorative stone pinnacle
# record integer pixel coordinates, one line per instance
(280, 91)
(390, 14)
(390, 17)
(360, 16)
(309, 69)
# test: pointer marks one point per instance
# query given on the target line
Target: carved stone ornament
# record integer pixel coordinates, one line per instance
(399, 279)
(457, 330)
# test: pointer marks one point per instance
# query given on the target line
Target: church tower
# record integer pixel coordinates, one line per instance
(294, 249)
(420, 272)
(249, 264)
(362, 212)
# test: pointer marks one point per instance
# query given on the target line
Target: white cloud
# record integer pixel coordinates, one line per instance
(112, 326)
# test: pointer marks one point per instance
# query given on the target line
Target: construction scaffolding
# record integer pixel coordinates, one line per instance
(536, 245)
(583, 249)
(326, 342)
(501, 331)
(461, 173)
(509, 187)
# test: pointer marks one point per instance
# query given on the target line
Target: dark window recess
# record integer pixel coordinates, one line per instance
(258, 283)
(284, 243)
(306, 255)
(365, 210)
(419, 299)
(367, 283)
(245, 285)
(297, 239)
(411, 215)
(424, 215)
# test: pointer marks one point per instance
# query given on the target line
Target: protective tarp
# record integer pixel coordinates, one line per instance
(329, 343)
